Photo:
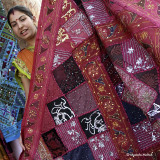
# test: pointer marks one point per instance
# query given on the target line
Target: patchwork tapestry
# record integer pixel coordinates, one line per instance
(95, 82)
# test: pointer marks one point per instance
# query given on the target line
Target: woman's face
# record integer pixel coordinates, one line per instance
(23, 26)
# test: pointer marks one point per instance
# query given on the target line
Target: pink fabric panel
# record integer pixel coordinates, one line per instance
(99, 15)
(145, 96)
(78, 28)
(71, 134)
(59, 57)
(103, 147)
(81, 100)
(136, 58)
(145, 134)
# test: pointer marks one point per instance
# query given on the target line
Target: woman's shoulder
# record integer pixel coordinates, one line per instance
(23, 53)
(24, 58)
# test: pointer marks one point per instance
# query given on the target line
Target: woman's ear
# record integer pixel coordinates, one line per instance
(34, 19)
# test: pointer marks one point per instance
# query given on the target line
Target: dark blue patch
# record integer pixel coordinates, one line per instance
(134, 113)
(81, 153)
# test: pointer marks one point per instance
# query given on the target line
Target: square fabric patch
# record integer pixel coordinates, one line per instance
(92, 123)
(68, 75)
(71, 134)
(60, 110)
(135, 57)
(145, 134)
(60, 57)
(134, 113)
(78, 28)
(81, 100)
(141, 94)
(97, 12)
(54, 143)
(81, 153)
(102, 147)
(150, 78)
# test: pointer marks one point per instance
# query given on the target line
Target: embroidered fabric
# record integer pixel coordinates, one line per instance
(96, 94)
(12, 98)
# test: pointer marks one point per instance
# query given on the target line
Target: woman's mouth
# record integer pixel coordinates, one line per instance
(24, 32)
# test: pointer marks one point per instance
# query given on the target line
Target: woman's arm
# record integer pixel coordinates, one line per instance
(26, 84)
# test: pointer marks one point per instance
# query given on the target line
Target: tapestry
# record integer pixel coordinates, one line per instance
(12, 98)
(94, 90)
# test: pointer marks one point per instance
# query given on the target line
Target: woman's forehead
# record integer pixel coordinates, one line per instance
(16, 15)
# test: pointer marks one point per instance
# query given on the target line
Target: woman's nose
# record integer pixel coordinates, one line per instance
(19, 25)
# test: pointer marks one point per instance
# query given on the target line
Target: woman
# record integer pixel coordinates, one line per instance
(23, 24)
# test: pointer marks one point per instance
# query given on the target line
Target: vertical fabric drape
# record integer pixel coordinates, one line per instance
(95, 82)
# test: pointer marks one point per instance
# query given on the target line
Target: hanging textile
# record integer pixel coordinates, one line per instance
(95, 83)
(12, 98)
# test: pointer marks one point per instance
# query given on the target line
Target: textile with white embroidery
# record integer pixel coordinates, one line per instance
(91, 85)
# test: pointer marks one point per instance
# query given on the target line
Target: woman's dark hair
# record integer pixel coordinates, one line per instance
(21, 9)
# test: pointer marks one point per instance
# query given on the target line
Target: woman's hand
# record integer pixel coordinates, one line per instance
(21, 143)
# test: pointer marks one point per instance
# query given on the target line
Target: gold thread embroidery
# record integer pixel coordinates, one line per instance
(30, 130)
(28, 146)
(35, 96)
(43, 59)
(69, 12)
(32, 114)
(39, 78)
(45, 39)
(61, 36)
(52, 2)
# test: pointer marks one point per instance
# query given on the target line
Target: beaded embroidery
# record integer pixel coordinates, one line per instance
(12, 98)
(80, 129)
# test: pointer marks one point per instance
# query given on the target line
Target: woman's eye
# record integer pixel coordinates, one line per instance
(23, 19)
(13, 25)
